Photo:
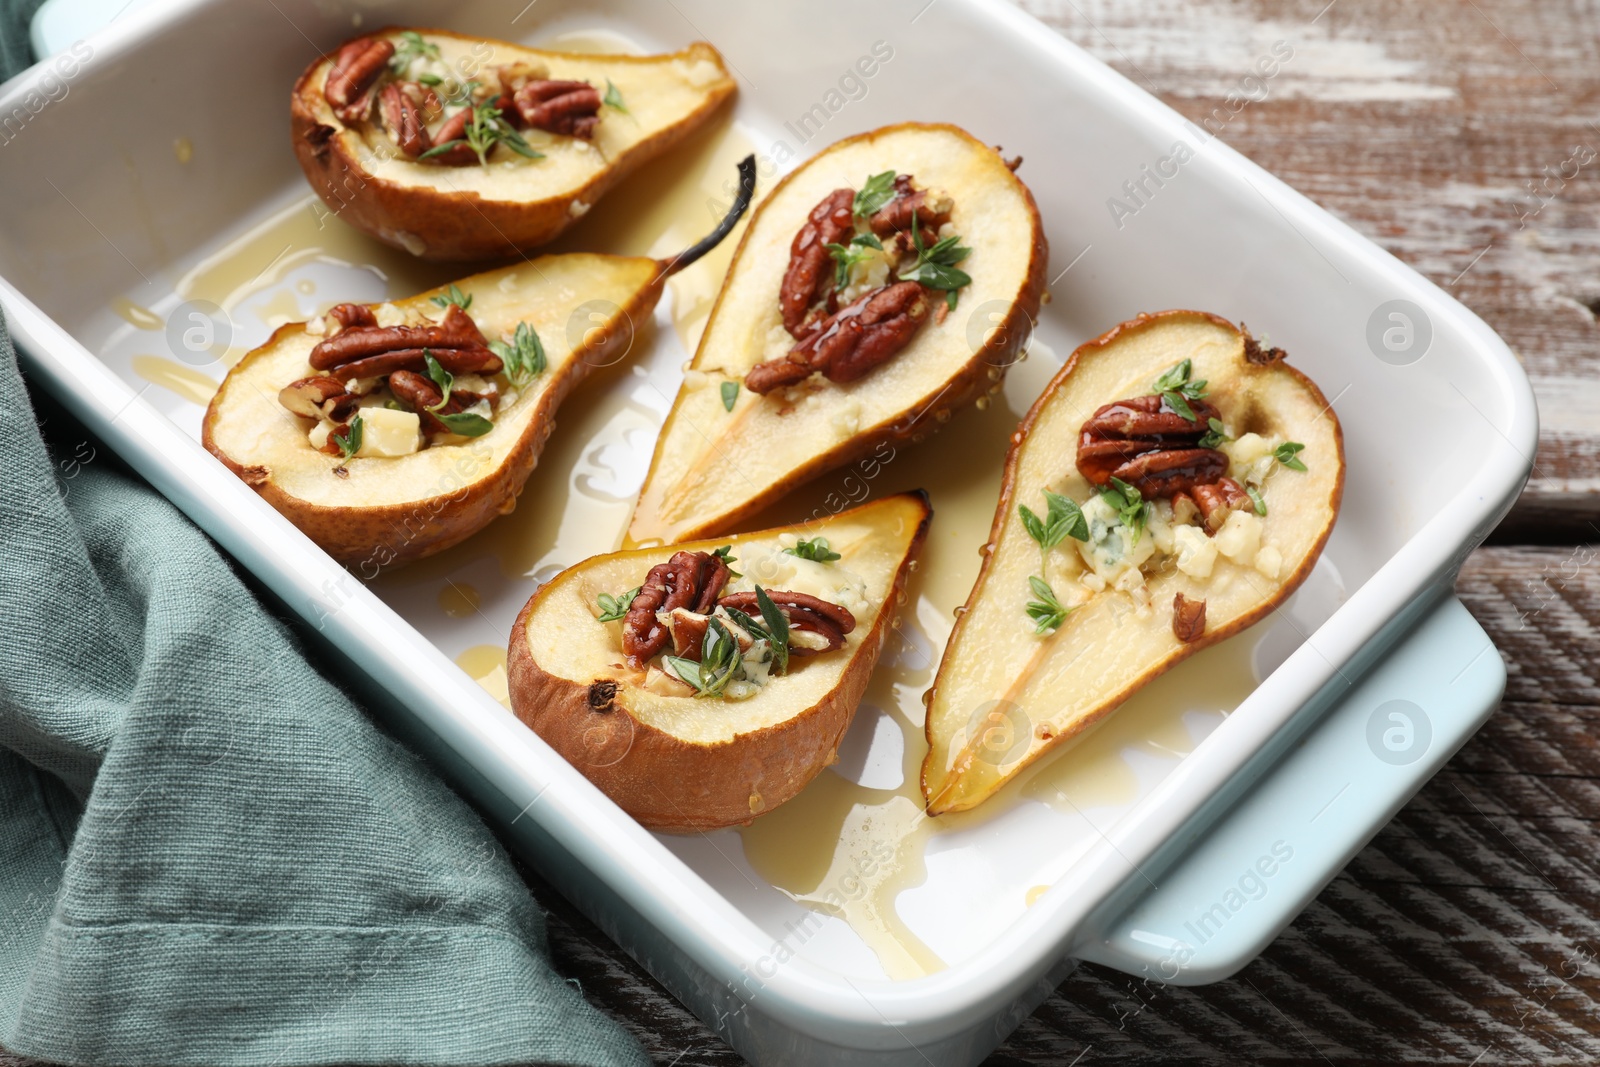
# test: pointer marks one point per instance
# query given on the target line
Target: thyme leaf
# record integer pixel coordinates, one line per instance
(613, 608)
(523, 356)
(870, 198)
(1047, 612)
(349, 442)
(815, 549)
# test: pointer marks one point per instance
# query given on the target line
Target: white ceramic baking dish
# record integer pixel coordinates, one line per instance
(164, 140)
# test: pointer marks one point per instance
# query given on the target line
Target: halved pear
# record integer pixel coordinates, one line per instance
(714, 467)
(513, 203)
(687, 763)
(382, 511)
(1005, 695)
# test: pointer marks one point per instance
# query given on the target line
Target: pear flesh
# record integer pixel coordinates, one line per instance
(1000, 676)
(477, 212)
(375, 511)
(725, 453)
(680, 762)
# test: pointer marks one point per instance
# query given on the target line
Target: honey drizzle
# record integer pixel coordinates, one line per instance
(818, 848)
(866, 844)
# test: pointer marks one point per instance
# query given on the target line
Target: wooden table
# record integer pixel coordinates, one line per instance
(1468, 932)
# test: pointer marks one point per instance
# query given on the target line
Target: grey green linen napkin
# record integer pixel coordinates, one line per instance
(208, 855)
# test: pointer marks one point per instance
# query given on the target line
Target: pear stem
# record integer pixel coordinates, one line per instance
(741, 204)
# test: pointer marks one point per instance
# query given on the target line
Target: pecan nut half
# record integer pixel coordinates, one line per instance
(806, 613)
(688, 580)
(850, 342)
(1216, 500)
(318, 397)
(571, 108)
(1155, 450)
(348, 89)
(359, 342)
(349, 316)
(454, 129)
(418, 392)
(809, 277)
(930, 209)
(1167, 472)
(404, 119)
(763, 378)
(469, 359)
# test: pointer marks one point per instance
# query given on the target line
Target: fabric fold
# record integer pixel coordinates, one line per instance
(208, 854)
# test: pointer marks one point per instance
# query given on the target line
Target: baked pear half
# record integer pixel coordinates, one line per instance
(703, 684)
(466, 148)
(388, 432)
(884, 283)
(1173, 484)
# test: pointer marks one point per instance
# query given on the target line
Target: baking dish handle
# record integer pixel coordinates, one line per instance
(1253, 869)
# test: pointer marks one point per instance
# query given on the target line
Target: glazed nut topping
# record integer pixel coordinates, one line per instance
(848, 227)
(930, 210)
(349, 316)
(1157, 451)
(1163, 445)
(463, 126)
(361, 357)
(403, 114)
(688, 580)
(850, 342)
(354, 75)
(367, 351)
(806, 613)
(418, 392)
(677, 599)
(809, 278)
(571, 108)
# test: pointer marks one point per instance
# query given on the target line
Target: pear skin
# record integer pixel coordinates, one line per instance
(475, 212)
(376, 512)
(1005, 695)
(714, 467)
(683, 763)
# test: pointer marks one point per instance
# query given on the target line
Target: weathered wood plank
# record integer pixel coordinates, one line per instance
(1459, 135)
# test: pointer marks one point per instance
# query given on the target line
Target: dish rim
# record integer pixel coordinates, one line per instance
(719, 937)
